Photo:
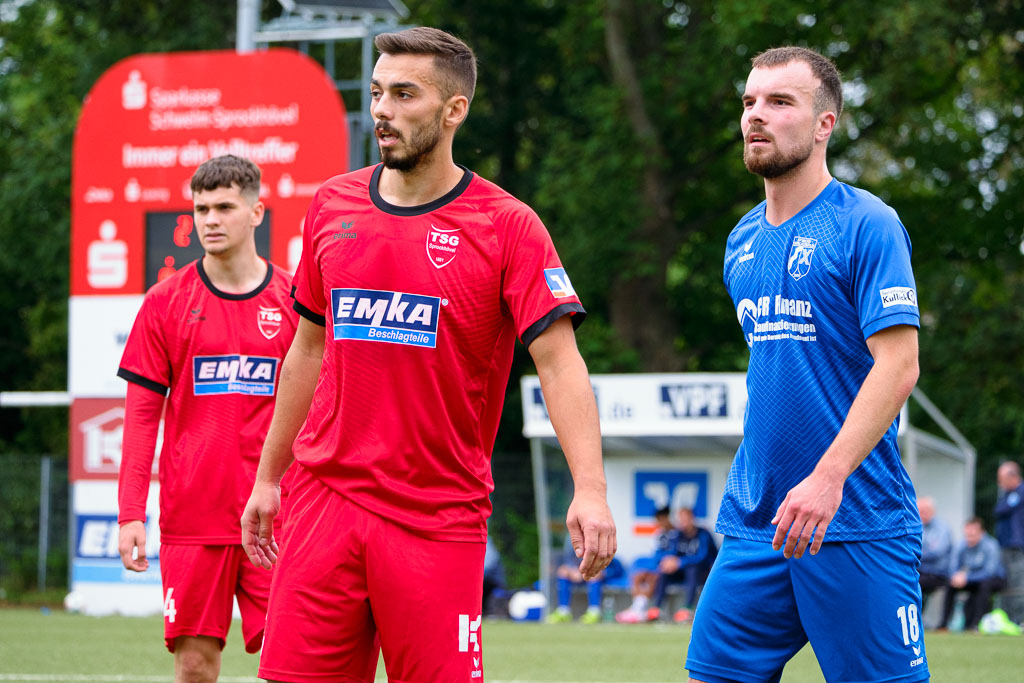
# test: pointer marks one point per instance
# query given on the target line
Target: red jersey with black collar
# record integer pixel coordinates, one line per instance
(220, 356)
(421, 307)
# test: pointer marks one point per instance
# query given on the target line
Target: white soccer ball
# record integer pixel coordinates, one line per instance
(74, 602)
(527, 605)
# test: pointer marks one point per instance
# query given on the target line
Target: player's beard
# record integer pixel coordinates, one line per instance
(420, 145)
(775, 163)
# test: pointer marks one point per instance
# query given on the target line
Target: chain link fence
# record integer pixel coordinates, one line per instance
(27, 527)
(34, 517)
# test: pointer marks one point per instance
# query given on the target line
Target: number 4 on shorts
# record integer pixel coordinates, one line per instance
(169, 610)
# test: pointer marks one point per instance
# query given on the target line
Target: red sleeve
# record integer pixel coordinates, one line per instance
(145, 360)
(307, 285)
(138, 447)
(535, 286)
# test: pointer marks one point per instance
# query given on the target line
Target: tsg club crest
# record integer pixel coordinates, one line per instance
(800, 256)
(442, 245)
(268, 320)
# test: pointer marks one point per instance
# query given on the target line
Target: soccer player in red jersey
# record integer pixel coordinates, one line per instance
(213, 335)
(416, 278)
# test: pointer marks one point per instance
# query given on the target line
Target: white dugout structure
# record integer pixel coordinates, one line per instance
(669, 439)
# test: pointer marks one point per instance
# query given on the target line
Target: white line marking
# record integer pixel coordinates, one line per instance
(110, 678)
(113, 678)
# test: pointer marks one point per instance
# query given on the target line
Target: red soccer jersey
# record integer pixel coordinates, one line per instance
(422, 306)
(220, 354)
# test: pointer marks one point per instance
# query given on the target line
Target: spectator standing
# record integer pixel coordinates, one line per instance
(937, 548)
(1010, 534)
(977, 570)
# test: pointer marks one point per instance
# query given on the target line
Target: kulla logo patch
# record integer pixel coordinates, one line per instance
(268, 320)
(442, 245)
(800, 256)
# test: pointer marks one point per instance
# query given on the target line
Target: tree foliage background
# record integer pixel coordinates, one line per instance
(618, 120)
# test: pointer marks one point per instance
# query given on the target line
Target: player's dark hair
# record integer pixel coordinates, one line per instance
(976, 520)
(829, 95)
(225, 171)
(454, 61)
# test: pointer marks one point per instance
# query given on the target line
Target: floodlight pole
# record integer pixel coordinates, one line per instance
(540, 498)
(245, 27)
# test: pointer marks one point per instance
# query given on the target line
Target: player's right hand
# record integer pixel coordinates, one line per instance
(258, 525)
(131, 543)
(592, 531)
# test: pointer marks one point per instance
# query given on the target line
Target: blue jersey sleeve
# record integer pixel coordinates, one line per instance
(881, 277)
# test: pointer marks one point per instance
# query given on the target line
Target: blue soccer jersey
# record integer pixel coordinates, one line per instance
(808, 293)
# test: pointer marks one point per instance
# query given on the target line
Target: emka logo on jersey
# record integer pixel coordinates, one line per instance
(268, 320)
(558, 283)
(442, 245)
(702, 399)
(898, 296)
(383, 316)
(800, 256)
(234, 374)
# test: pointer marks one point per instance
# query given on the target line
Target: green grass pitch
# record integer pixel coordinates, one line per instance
(35, 646)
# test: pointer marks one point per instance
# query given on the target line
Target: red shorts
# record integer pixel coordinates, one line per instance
(349, 579)
(200, 582)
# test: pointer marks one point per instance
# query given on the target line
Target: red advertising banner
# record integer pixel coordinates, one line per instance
(95, 435)
(148, 123)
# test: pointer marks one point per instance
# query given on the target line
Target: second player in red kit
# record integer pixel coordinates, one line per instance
(211, 338)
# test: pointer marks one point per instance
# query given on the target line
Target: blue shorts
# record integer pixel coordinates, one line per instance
(858, 602)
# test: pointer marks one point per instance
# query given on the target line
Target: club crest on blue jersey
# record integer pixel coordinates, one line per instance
(382, 316)
(800, 256)
(234, 374)
(558, 283)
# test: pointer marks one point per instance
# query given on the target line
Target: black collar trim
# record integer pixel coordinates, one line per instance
(234, 297)
(387, 207)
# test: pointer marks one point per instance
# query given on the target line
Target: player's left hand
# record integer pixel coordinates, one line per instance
(592, 531)
(808, 509)
(258, 540)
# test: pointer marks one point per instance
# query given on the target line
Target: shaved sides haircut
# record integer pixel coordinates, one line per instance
(225, 171)
(454, 61)
(829, 95)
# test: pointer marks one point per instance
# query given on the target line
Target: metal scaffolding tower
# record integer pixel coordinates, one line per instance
(329, 22)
